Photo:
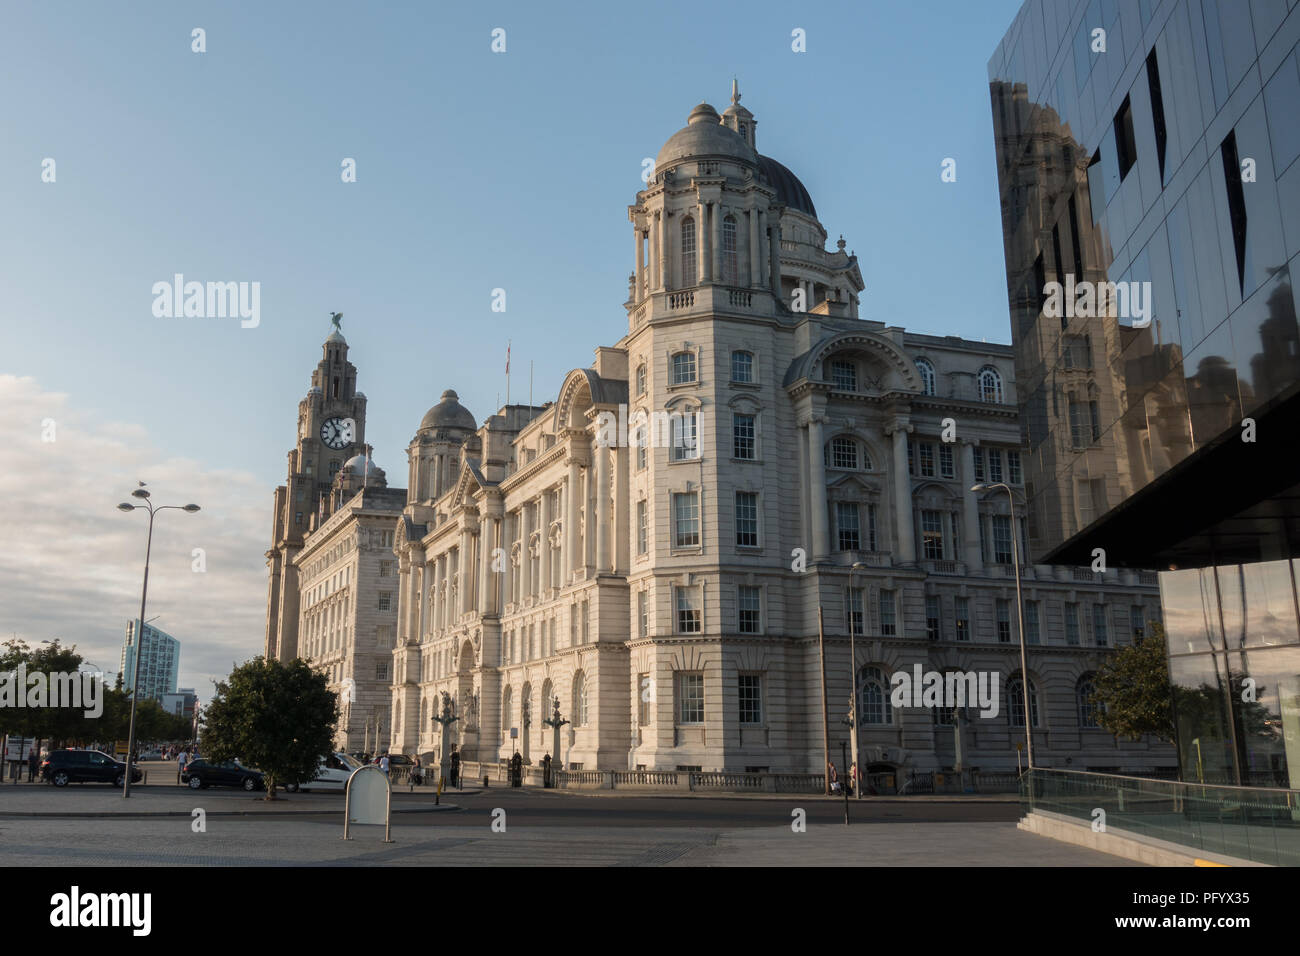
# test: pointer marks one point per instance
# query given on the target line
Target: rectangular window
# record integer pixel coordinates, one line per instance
(925, 454)
(746, 519)
(932, 535)
(961, 617)
(933, 627)
(686, 520)
(749, 617)
(642, 527)
(742, 437)
(888, 619)
(1094, 420)
(688, 611)
(946, 467)
(742, 367)
(995, 464)
(750, 693)
(640, 379)
(1001, 539)
(1137, 623)
(844, 376)
(683, 368)
(855, 612)
(685, 435)
(385, 569)
(1125, 144)
(385, 600)
(1014, 473)
(690, 698)
(643, 613)
(871, 528)
(979, 464)
(1004, 621)
(846, 526)
(642, 699)
(381, 671)
(1072, 624)
(1078, 427)
(1031, 622)
(1100, 632)
(641, 454)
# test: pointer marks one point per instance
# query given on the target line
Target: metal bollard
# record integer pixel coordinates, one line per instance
(485, 781)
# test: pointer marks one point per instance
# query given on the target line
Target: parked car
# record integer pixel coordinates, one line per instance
(228, 773)
(151, 755)
(332, 774)
(62, 767)
(399, 760)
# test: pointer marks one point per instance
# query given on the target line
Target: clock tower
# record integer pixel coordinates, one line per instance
(331, 429)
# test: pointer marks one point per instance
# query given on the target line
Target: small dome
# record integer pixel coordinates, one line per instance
(448, 413)
(356, 465)
(787, 185)
(704, 137)
(337, 338)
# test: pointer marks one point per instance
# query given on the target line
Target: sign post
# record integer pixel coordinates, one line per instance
(369, 800)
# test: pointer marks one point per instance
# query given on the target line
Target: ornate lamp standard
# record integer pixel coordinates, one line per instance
(1020, 616)
(444, 721)
(555, 722)
(855, 772)
(148, 505)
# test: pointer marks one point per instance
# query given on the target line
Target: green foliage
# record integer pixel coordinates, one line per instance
(1132, 690)
(274, 716)
(45, 723)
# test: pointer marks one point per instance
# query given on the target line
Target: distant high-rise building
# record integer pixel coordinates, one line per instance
(159, 661)
(182, 703)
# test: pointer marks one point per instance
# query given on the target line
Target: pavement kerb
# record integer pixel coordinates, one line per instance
(140, 814)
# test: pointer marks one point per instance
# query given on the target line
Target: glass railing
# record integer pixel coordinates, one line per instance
(1260, 824)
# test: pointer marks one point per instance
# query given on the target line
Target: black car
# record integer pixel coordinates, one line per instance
(228, 773)
(63, 767)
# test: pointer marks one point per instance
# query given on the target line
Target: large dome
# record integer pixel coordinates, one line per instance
(356, 465)
(704, 137)
(787, 185)
(448, 413)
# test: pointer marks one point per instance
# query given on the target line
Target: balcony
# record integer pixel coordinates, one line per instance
(702, 300)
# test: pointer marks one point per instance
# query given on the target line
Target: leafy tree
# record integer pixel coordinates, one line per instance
(1132, 690)
(58, 724)
(274, 716)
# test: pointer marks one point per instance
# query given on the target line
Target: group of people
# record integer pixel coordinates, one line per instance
(835, 779)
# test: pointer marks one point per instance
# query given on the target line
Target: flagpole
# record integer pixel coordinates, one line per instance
(507, 372)
(530, 383)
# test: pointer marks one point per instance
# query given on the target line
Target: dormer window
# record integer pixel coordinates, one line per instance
(683, 368)
(844, 375)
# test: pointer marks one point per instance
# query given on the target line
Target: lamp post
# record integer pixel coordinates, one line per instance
(1020, 616)
(148, 505)
(555, 721)
(444, 722)
(855, 772)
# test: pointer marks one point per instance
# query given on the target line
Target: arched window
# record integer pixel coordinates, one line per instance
(1016, 703)
(729, 272)
(579, 699)
(927, 376)
(873, 697)
(688, 252)
(990, 385)
(843, 453)
(1089, 712)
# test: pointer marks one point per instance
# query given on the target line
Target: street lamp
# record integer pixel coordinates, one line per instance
(1020, 616)
(148, 505)
(855, 772)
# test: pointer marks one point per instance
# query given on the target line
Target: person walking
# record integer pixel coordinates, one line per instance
(835, 780)
(181, 761)
(383, 764)
(33, 761)
(417, 775)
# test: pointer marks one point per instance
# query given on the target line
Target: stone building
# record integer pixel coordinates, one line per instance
(655, 546)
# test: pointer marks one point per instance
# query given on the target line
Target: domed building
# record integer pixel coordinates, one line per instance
(749, 474)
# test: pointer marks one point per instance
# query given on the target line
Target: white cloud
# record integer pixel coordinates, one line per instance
(71, 563)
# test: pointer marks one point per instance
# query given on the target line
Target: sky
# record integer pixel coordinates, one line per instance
(475, 170)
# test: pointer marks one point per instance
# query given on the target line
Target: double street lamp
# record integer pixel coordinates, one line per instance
(1020, 616)
(147, 505)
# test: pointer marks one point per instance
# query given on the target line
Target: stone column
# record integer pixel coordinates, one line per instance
(905, 537)
(602, 507)
(715, 239)
(465, 563)
(752, 266)
(525, 562)
(817, 490)
(702, 242)
(774, 247)
(423, 597)
(487, 533)
(970, 510)
(640, 264)
(665, 272)
(507, 571)
(571, 556)
(655, 265)
(545, 543)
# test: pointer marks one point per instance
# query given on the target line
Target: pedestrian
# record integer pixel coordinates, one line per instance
(33, 761)
(417, 775)
(181, 761)
(383, 764)
(835, 780)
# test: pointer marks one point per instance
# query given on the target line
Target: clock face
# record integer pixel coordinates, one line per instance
(337, 433)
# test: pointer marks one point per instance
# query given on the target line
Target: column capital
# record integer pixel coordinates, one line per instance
(808, 420)
(898, 426)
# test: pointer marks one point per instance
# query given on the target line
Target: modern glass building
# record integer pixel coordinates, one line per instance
(159, 661)
(1147, 161)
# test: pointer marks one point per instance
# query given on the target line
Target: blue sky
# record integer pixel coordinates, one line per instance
(475, 171)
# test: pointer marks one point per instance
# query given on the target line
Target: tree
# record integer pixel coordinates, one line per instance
(275, 716)
(1132, 690)
(58, 724)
